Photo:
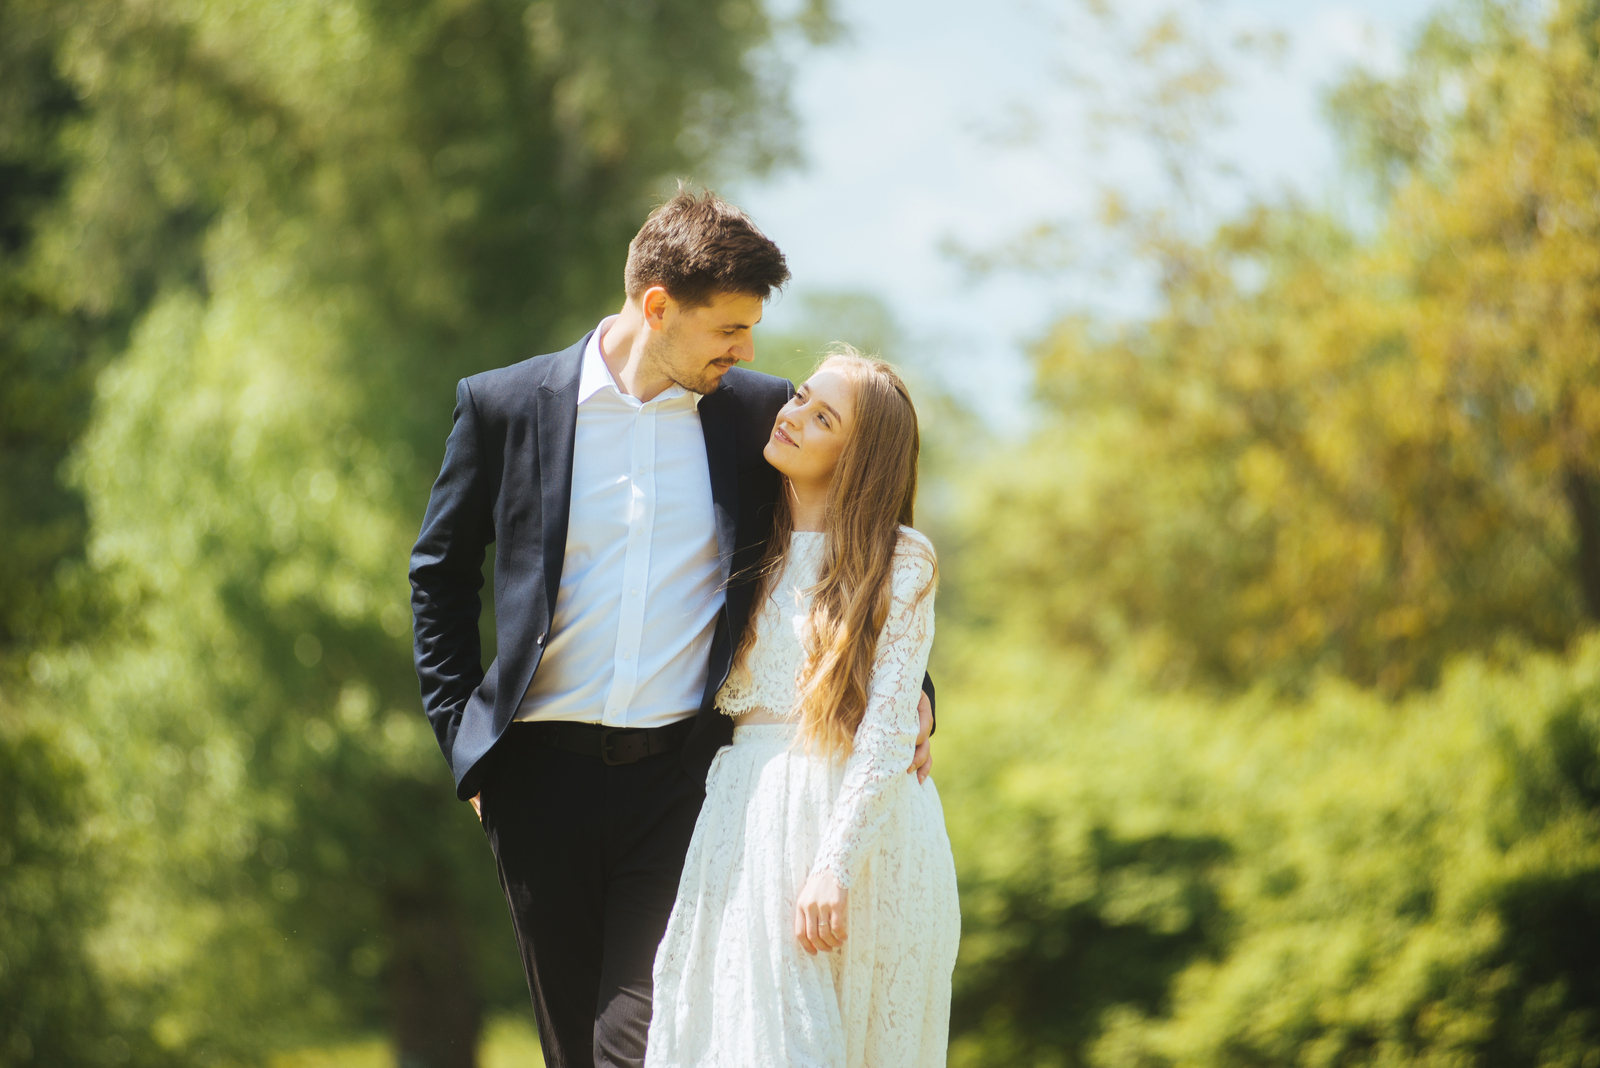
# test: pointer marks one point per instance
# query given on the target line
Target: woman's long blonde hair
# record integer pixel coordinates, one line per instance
(874, 491)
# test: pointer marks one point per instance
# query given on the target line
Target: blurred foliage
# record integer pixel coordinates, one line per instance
(51, 882)
(823, 318)
(1270, 732)
(1160, 880)
(45, 370)
(246, 248)
(1331, 451)
(1270, 650)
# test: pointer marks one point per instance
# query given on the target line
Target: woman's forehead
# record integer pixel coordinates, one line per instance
(831, 384)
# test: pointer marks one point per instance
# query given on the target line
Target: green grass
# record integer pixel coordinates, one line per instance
(508, 1042)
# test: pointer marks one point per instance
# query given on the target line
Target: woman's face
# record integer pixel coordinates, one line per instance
(811, 430)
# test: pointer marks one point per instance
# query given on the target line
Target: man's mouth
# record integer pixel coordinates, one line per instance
(777, 432)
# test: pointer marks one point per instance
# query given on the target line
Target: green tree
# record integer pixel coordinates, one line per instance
(1271, 677)
(47, 351)
(316, 218)
(1161, 879)
(1330, 451)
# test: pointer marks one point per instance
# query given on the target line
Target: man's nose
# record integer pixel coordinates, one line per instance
(745, 352)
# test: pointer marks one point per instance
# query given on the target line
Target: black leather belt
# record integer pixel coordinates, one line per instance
(610, 745)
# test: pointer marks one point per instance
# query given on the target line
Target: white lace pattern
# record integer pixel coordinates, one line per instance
(767, 681)
(732, 985)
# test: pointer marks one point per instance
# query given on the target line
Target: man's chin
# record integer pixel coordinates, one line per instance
(710, 382)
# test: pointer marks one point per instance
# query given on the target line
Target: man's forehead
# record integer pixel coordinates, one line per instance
(735, 309)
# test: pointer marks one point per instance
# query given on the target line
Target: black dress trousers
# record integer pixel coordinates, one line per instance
(589, 856)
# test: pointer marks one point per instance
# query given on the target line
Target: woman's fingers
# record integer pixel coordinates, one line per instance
(819, 914)
(814, 928)
(837, 926)
(830, 928)
(802, 930)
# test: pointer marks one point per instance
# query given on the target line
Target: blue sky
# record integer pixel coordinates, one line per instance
(898, 130)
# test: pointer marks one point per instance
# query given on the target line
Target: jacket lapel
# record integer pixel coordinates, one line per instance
(556, 411)
(717, 424)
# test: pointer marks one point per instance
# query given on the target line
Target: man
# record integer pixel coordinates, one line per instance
(623, 483)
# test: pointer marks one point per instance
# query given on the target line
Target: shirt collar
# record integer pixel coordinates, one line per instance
(594, 375)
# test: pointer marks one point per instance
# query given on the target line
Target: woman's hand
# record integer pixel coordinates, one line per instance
(819, 913)
(922, 756)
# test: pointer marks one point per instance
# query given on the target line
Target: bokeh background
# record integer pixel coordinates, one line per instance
(1257, 348)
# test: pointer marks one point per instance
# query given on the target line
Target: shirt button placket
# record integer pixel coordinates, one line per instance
(636, 563)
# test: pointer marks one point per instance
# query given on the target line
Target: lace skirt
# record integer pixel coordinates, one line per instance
(734, 988)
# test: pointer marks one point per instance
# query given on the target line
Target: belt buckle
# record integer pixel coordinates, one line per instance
(605, 747)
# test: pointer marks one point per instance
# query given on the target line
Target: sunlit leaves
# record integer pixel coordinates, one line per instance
(1331, 453)
(1170, 879)
(296, 225)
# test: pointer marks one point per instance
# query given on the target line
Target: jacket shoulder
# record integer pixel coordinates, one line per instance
(756, 389)
(523, 374)
(511, 386)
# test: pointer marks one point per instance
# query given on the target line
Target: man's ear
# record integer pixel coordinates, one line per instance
(656, 303)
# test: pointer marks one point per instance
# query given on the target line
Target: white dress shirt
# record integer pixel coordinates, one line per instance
(640, 583)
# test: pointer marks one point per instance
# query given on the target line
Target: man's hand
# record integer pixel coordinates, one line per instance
(477, 807)
(922, 758)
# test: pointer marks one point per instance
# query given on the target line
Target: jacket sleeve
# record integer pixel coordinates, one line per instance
(447, 575)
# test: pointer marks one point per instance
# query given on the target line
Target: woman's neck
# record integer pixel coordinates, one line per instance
(808, 507)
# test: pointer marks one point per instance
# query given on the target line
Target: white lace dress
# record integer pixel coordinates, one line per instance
(733, 987)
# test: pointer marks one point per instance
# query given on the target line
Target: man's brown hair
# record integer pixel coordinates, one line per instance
(700, 246)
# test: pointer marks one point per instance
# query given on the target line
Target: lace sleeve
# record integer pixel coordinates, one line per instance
(737, 695)
(888, 731)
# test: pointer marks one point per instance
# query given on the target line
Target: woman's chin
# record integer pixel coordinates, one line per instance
(776, 456)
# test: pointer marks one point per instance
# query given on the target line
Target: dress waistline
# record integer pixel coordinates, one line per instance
(763, 732)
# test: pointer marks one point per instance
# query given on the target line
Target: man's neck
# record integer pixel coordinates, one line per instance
(623, 348)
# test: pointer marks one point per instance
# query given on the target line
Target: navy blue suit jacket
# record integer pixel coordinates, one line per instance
(507, 479)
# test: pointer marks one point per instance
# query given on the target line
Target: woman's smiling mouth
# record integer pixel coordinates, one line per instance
(777, 432)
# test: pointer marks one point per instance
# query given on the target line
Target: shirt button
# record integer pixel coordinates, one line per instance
(635, 593)
(627, 656)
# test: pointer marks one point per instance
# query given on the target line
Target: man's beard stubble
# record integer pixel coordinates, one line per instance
(694, 379)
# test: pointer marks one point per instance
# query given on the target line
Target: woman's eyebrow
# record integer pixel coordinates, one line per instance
(805, 388)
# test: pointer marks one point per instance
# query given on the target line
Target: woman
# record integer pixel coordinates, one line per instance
(816, 922)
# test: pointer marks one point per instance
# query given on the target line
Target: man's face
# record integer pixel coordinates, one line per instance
(695, 346)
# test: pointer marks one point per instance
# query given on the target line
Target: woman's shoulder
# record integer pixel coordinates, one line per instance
(914, 542)
(915, 562)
